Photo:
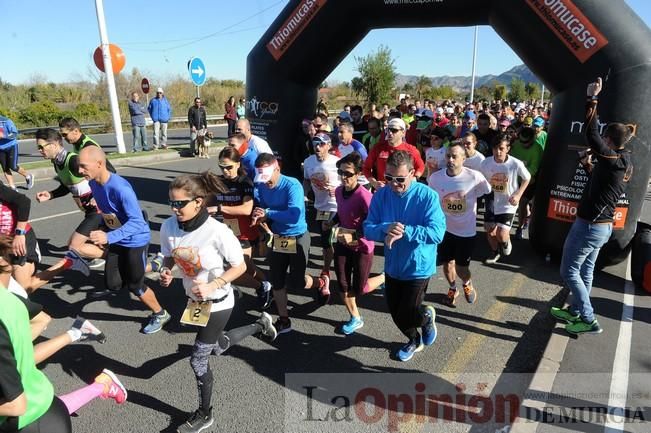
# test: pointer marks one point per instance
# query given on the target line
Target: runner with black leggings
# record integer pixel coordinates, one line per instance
(210, 257)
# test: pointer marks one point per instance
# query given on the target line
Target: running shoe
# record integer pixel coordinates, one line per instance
(156, 322)
(407, 351)
(430, 332)
(157, 262)
(582, 327)
(451, 298)
(283, 326)
(113, 388)
(75, 262)
(268, 329)
(29, 179)
(324, 289)
(264, 295)
(494, 257)
(564, 314)
(88, 330)
(96, 263)
(197, 422)
(519, 233)
(352, 325)
(506, 250)
(470, 293)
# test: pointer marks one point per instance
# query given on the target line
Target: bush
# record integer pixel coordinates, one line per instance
(42, 113)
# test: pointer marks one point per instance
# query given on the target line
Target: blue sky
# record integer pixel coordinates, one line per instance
(43, 39)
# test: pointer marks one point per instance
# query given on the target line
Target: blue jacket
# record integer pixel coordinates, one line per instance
(418, 209)
(9, 133)
(285, 206)
(137, 113)
(160, 110)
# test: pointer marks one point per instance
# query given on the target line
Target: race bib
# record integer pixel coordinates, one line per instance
(285, 244)
(196, 313)
(111, 220)
(233, 224)
(500, 183)
(345, 236)
(454, 204)
(322, 215)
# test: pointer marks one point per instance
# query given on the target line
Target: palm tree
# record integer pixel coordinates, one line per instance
(422, 85)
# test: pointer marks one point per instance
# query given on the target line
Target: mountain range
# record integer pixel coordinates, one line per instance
(460, 83)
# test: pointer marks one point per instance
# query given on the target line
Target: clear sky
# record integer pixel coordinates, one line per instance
(55, 39)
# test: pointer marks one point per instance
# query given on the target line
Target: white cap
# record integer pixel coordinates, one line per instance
(263, 174)
(159, 90)
(397, 123)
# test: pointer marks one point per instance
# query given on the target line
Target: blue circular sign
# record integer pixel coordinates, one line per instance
(197, 71)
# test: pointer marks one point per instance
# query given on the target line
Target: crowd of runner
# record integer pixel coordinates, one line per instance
(413, 177)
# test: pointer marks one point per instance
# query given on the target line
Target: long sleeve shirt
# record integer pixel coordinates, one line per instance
(284, 205)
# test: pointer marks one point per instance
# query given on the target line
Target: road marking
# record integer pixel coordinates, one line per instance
(462, 356)
(621, 364)
(54, 216)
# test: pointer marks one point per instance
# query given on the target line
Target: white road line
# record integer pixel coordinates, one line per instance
(54, 216)
(619, 381)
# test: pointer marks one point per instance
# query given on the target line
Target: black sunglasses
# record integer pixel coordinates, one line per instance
(397, 179)
(345, 174)
(226, 167)
(179, 204)
(394, 130)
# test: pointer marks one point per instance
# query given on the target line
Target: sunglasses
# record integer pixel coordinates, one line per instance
(39, 147)
(397, 179)
(319, 143)
(346, 174)
(179, 204)
(226, 167)
(394, 130)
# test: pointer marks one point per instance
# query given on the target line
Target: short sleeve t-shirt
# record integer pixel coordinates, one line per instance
(474, 162)
(458, 196)
(324, 180)
(202, 254)
(238, 188)
(435, 159)
(503, 178)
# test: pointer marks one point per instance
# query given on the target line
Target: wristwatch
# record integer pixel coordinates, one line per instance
(20, 232)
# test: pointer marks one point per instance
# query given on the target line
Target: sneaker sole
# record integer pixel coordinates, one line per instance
(116, 381)
(584, 332)
(468, 297)
(353, 331)
(96, 265)
(212, 421)
(284, 331)
(269, 321)
(418, 349)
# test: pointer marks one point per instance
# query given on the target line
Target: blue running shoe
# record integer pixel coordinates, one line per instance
(407, 351)
(352, 325)
(429, 329)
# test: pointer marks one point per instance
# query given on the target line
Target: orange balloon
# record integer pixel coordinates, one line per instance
(118, 59)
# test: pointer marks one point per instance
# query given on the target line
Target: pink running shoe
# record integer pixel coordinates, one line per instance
(113, 388)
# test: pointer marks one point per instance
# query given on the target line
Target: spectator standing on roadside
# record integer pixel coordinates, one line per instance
(230, 115)
(138, 124)
(9, 153)
(241, 109)
(197, 122)
(160, 111)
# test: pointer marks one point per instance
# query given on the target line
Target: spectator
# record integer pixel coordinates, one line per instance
(198, 124)
(230, 114)
(160, 111)
(138, 124)
(9, 153)
(241, 109)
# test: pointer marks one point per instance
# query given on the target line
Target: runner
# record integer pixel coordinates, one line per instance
(9, 153)
(70, 130)
(210, 257)
(353, 252)
(282, 202)
(127, 233)
(320, 175)
(248, 154)
(435, 154)
(473, 157)
(407, 216)
(66, 167)
(504, 173)
(458, 188)
(234, 208)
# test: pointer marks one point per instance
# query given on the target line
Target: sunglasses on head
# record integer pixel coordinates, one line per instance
(179, 204)
(397, 179)
(346, 174)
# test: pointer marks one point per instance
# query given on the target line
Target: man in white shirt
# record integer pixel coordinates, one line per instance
(503, 172)
(259, 144)
(458, 188)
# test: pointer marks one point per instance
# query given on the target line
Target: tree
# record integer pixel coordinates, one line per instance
(518, 92)
(500, 93)
(422, 85)
(408, 88)
(377, 74)
(357, 86)
(533, 90)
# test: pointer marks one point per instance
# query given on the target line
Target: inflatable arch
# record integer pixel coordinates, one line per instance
(566, 43)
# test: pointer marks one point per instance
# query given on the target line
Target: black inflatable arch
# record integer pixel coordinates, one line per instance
(567, 43)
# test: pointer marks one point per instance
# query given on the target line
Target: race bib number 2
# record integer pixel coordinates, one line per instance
(196, 313)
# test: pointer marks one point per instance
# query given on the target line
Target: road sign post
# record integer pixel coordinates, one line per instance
(197, 71)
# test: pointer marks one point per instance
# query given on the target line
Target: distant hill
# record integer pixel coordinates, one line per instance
(463, 83)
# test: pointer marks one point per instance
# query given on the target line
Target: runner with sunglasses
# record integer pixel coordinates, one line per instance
(125, 233)
(407, 217)
(353, 252)
(234, 208)
(210, 258)
(320, 175)
(70, 130)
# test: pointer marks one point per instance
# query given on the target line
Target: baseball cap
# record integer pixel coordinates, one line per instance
(505, 122)
(539, 122)
(263, 174)
(428, 114)
(470, 115)
(397, 123)
(321, 138)
(528, 121)
(439, 110)
(345, 116)
(159, 90)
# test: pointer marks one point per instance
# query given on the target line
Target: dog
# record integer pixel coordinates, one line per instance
(203, 143)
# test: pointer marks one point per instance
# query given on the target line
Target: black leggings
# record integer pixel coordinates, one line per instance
(55, 420)
(211, 339)
(404, 299)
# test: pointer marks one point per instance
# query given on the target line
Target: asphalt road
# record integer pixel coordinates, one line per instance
(486, 350)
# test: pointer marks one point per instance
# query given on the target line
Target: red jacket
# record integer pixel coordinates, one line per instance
(376, 163)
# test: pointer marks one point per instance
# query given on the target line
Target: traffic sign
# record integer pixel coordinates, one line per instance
(144, 85)
(197, 71)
